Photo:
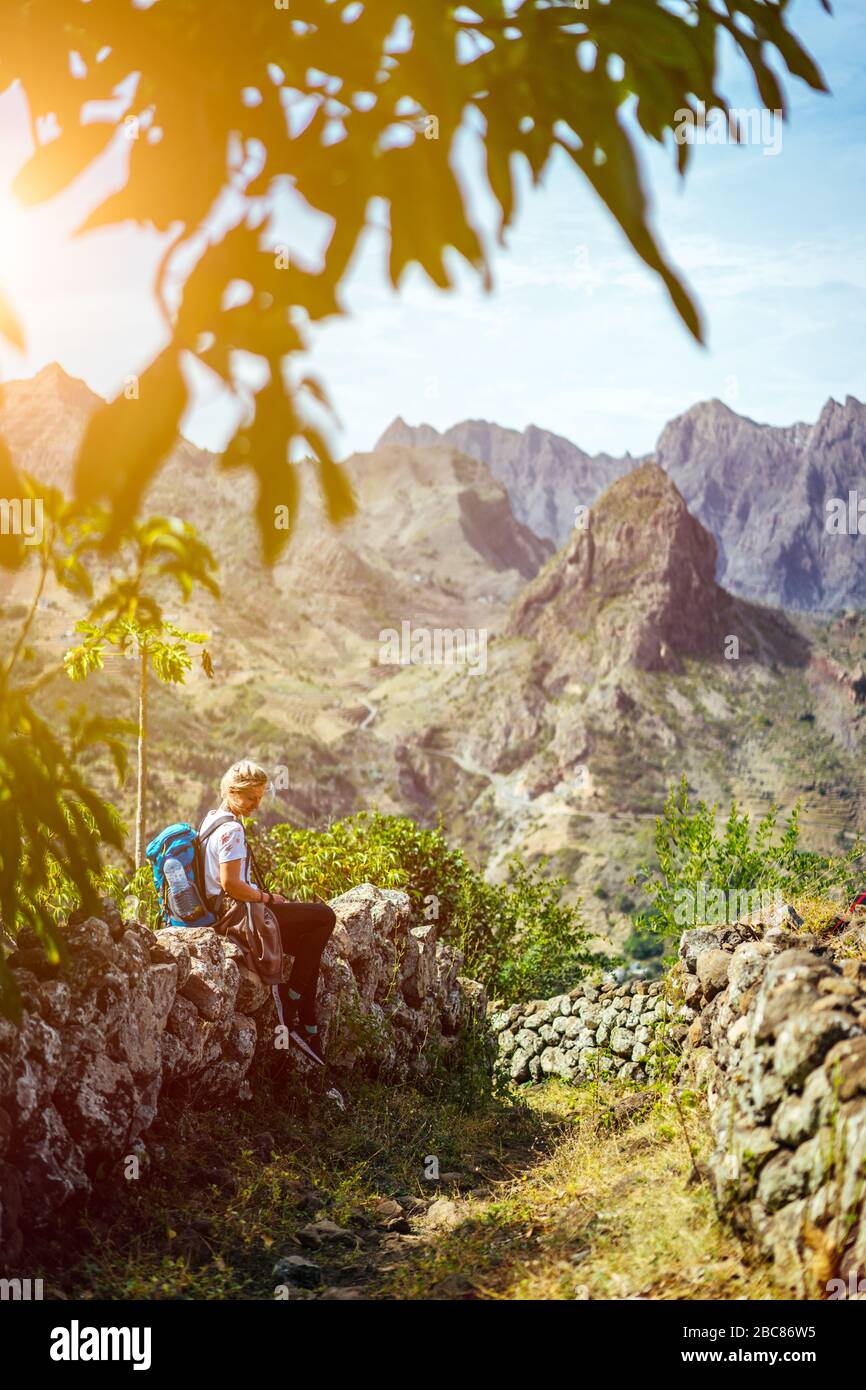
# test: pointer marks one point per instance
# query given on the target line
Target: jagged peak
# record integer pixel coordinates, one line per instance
(714, 409)
(400, 432)
(637, 580)
(54, 380)
(831, 405)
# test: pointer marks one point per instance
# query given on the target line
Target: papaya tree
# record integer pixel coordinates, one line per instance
(130, 618)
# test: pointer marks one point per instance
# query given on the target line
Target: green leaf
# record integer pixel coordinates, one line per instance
(125, 442)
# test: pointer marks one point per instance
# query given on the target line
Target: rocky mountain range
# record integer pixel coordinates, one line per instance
(761, 490)
(636, 586)
(612, 665)
(546, 476)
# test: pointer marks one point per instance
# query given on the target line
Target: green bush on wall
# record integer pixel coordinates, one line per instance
(692, 855)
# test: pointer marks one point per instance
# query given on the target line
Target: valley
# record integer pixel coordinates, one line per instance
(607, 663)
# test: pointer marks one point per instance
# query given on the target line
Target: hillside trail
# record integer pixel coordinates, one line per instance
(604, 1202)
(391, 1248)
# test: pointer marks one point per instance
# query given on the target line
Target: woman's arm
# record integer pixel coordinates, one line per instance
(234, 885)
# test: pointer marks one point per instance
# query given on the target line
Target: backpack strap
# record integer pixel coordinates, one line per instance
(220, 821)
(252, 859)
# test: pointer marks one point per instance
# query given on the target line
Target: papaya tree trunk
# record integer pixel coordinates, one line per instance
(141, 787)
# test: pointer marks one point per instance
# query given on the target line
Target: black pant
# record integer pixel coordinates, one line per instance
(305, 929)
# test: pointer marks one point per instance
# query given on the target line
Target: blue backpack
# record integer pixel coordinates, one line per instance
(183, 901)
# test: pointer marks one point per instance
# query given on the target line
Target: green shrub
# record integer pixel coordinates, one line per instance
(693, 858)
(643, 945)
(518, 938)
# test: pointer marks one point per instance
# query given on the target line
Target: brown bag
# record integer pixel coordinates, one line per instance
(255, 930)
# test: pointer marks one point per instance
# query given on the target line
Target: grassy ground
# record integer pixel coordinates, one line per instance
(553, 1194)
(615, 1209)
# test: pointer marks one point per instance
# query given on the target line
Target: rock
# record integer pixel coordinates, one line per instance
(530, 1043)
(387, 1208)
(203, 989)
(746, 968)
(252, 993)
(805, 1040)
(793, 1174)
(297, 1271)
(443, 1215)
(777, 1004)
(712, 968)
(845, 1066)
(317, 1233)
(839, 986)
(783, 915)
(797, 1117)
(694, 943)
(622, 1042)
(692, 989)
(169, 947)
(519, 1065)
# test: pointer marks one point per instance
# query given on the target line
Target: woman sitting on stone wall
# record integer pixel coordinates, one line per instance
(305, 927)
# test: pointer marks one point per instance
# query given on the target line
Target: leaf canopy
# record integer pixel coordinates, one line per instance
(229, 106)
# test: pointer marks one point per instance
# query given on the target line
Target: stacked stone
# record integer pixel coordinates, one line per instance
(134, 1017)
(779, 1040)
(606, 1030)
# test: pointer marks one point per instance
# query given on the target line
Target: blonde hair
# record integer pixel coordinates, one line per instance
(241, 776)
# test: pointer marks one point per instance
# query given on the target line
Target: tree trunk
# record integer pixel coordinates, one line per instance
(141, 794)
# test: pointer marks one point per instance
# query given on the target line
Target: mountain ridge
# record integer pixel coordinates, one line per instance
(760, 489)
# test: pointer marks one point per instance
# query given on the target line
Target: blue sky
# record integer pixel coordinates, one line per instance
(577, 336)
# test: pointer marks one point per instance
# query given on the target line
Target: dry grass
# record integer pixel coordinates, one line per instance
(570, 1199)
(818, 913)
(611, 1213)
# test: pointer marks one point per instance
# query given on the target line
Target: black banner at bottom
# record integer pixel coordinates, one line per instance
(60, 1338)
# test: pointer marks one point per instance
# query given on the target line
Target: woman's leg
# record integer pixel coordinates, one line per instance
(305, 929)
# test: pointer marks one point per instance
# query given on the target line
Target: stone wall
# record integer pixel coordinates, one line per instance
(136, 1019)
(771, 1022)
(779, 1041)
(606, 1030)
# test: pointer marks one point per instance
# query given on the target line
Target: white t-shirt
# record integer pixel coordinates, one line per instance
(225, 844)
